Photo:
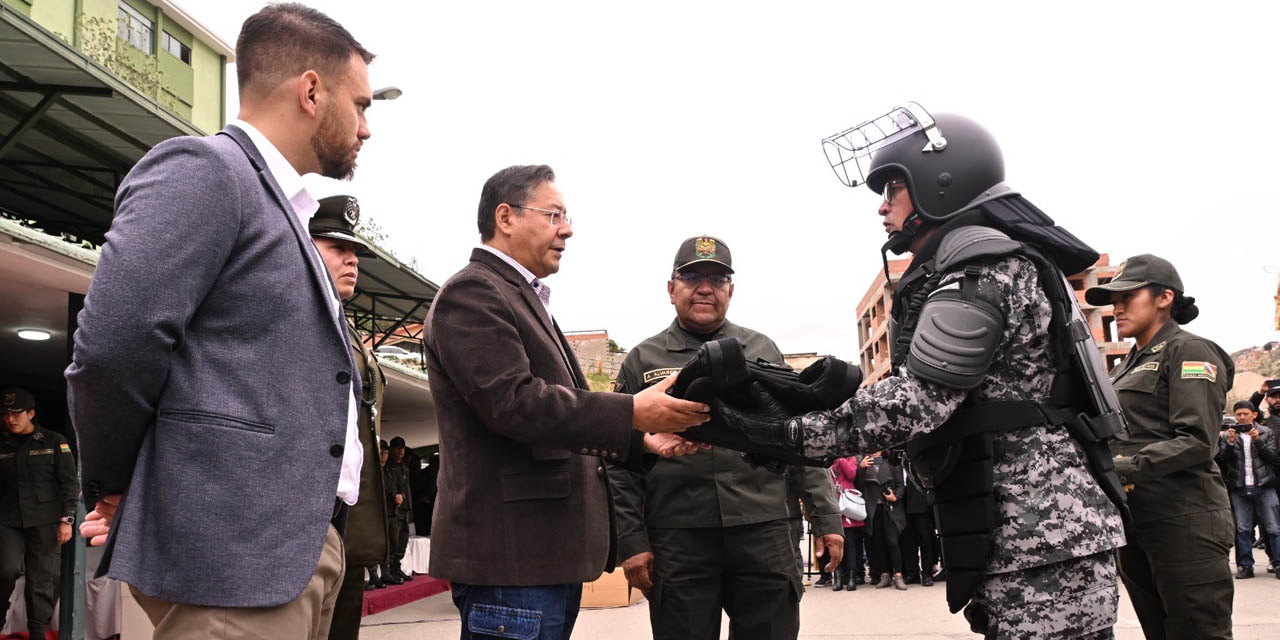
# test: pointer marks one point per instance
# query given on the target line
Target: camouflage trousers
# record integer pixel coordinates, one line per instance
(1075, 598)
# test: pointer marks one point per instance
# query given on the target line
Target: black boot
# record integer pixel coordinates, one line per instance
(841, 579)
(375, 582)
(398, 572)
(389, 577)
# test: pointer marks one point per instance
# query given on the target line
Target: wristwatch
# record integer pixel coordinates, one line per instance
(68, 519)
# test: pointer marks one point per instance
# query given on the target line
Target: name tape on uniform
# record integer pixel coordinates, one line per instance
(655, 375)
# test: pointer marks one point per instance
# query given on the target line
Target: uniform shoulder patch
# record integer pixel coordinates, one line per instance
(1192, 369)
(65, 448)
(1150, 366)
(654, 375)
(1158, 348)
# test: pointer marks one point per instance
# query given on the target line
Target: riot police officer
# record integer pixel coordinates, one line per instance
(365, 539)
(1173, 387)
(38, 489)
(998, 390)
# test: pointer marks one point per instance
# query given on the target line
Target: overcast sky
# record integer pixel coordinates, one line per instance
(1139, 126)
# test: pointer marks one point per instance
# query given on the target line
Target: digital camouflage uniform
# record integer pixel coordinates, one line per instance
(1051, 573)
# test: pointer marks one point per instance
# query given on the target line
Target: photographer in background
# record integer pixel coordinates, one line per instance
(1270, 393)
(1247, 451)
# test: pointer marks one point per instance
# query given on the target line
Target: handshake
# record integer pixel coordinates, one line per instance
(755, 405)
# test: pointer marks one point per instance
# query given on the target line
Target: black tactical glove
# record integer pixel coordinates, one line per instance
(766, 423)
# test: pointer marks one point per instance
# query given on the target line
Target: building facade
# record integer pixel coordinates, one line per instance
(873, 317)
(154, 46)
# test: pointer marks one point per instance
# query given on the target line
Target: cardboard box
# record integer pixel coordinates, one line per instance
(609, 590)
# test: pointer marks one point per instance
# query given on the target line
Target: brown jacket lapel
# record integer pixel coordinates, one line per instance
(530, 298)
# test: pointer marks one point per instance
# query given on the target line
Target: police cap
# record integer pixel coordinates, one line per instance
(17, 399)
(1135, 273)
(337, 218)
(703, 249)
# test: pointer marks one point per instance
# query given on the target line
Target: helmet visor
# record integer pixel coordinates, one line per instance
(849, 152)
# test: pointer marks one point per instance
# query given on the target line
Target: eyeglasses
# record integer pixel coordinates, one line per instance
(695, 279)
(891, 188)
(556, 218)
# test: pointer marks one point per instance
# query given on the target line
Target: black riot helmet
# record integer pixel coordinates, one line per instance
(948, 162)
(942, 183)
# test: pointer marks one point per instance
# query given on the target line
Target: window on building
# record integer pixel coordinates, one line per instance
(135, 28)
(1113, 360)
(175, 46)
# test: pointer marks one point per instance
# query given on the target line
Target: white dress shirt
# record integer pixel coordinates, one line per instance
(304, 206)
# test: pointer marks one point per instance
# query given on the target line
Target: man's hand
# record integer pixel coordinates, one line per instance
(399, 499)
(670, 445)
(1253, 433)
(867, 462)
(97, 524)
(1231, 436)
(834, 544)
(639, 571)
(888, 495)
(64, 533)
(656, 412)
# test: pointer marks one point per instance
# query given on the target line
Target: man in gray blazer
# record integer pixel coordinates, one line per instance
(524, 513)
(212, 385)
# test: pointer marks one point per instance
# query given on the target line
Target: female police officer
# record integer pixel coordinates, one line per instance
(1172, 386)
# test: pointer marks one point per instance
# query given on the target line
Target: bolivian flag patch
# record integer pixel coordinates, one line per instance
(1199, 370)
(65, 448)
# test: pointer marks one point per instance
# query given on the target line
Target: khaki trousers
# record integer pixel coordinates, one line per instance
(307, 617)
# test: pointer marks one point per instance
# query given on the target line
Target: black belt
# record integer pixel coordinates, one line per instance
(339, 519)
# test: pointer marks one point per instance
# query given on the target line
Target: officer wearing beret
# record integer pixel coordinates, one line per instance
(707, 531)
(38, 490)
(365, 540)
(1172, 387)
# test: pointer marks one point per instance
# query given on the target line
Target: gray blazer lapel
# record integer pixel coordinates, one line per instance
(319, 274)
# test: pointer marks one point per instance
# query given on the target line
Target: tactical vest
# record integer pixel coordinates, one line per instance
(954, 463)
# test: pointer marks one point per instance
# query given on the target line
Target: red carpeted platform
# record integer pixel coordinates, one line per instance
(380, 600)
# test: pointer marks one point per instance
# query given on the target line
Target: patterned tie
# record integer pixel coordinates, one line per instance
(543, 292)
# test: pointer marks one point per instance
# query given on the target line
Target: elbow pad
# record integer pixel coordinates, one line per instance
(955, 339)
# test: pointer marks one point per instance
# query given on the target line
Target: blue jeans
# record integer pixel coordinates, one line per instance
(1243, 502)
(522, 613)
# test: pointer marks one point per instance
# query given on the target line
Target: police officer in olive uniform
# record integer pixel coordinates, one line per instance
(706, 531)
(399, 513)
(1173, 387)
(38, 490)
(365, 540)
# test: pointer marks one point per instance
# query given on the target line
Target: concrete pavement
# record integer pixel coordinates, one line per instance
(918, 612)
